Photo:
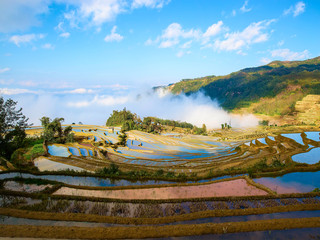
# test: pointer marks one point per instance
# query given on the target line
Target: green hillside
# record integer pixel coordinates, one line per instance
(286, 82)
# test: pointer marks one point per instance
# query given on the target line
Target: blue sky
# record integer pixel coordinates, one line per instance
(96, 49)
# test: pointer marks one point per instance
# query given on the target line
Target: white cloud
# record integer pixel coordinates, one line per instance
(27, 38)
(280, 43)
(48, 46)
(186, 44)
(118, 87)
(244, 7)
(149, 3)
(238, 40)
(80, 91)
(149, 42)
(65, 35)
(300, 8)
(14, 91)
(174, 31)
(6, 81)
(3, 70)
(100, 100)
(214, 29)
(172, 36)
(296, 10)
(28, 83)
(113, 87)
(60, 28)
(288, 55)
(113, 36)
(168, 43)
(96, 12)
(182, 53)
(19, 15)
(265, 60)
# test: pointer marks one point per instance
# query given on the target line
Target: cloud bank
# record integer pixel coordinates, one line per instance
(91, 107)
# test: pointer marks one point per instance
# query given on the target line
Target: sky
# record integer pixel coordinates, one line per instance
(87, 57)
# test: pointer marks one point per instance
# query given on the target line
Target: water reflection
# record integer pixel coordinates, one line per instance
(300, 182)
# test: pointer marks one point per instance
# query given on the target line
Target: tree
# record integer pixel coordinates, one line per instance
(53, 131)
(12, 127)
(123, 138)
(204, 128)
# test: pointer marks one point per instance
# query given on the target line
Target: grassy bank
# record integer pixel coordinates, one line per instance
(154, 231)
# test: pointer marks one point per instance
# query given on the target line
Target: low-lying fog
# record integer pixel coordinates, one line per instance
(94, 107)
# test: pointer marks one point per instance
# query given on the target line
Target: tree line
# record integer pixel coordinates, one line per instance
(131, 121)
(15, 146)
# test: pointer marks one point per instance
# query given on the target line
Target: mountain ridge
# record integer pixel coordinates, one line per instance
(284, 81)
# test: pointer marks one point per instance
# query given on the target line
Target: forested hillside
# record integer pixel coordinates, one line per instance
(280, 84)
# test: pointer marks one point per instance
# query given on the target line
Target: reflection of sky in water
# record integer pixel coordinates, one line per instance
(90, 152)
(292, 182)
(74, 151)
(159, 155)
(97, 139)
(311, 157)
(262, 140)
(32, 128)
(94, 181)
(48, 165)
(58, 151)
(294, 136)
(313, 136)
(295, 214)
(84, 152)
(26, 221)
(76, 130)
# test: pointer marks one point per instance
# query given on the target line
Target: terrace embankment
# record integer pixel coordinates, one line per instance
(237, 187)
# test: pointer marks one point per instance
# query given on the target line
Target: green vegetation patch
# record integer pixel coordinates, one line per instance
(131, 121)
(247, 86)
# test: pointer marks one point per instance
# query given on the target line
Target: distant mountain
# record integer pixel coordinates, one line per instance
(272, 89)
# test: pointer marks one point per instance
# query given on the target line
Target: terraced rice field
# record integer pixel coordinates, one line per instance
(179, 153)
(45, 205)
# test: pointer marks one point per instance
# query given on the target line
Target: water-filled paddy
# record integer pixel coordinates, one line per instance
(84, 152)
(74, 151)
(8, 220)
(300, 182)
(237, 187)
(97, 182)
(315, 136)
(310, 157)
(301, 233)
(296, 214)
(58, 151)
(45, 164)
(295, 136)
